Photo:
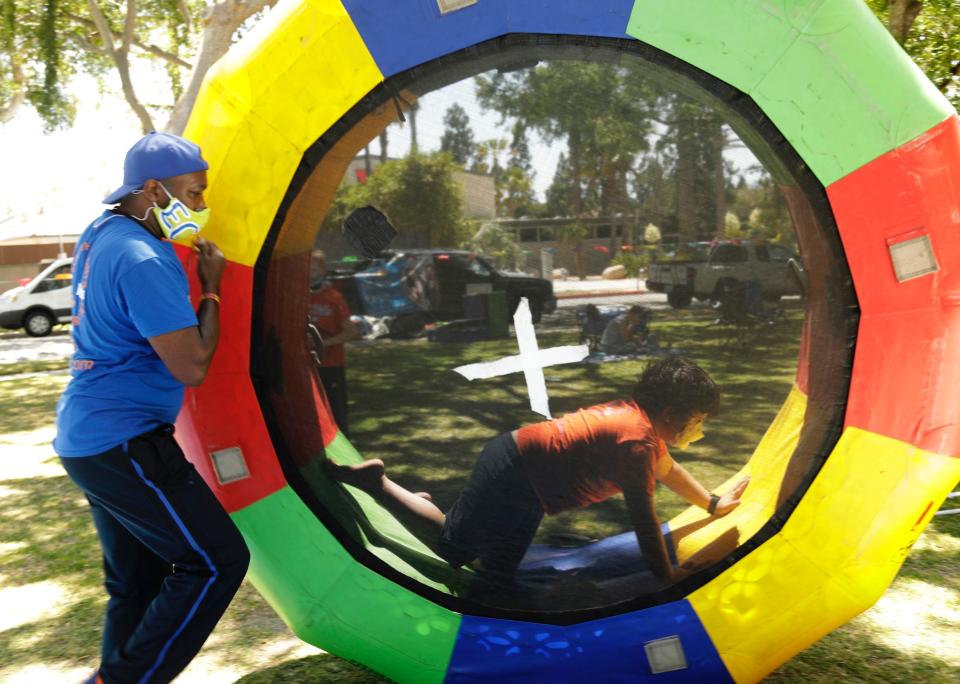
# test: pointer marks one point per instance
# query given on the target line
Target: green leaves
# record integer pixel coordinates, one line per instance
(420, 195)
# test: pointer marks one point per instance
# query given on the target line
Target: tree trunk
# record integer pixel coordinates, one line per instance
(9, 108)
(576, 171)
(719, 141)
(902, 15)
(686, 176)
(220, 21)
(412, 119)
(121, 55)
(383, 146)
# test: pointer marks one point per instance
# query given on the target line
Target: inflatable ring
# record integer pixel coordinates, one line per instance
(869, 157)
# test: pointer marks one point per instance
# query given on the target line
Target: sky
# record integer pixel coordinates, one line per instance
(53, 183)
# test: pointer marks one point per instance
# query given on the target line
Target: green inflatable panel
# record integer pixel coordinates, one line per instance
(365, 617)
(788, 58)
(378, 530)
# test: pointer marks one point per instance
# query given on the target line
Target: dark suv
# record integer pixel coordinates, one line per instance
(434, 281)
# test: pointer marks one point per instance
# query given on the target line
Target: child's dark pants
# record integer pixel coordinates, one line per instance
(496, 516)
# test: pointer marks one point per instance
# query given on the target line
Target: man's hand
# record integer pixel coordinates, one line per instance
(210, 265)
(731, 499)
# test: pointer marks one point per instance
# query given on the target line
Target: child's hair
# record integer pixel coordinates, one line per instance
(677, 383)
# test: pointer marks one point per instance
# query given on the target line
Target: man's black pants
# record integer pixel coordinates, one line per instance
(172, 557)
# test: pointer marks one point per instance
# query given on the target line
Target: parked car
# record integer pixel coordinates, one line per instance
(434, 281)
(707, 271)
(42, 303)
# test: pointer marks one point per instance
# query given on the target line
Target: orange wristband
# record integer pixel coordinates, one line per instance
(212, 296)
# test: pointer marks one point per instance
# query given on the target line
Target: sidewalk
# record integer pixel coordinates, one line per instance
(595, 286)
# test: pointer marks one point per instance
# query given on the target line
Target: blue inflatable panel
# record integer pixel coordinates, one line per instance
(578, 574)
(610, 650)
(401, 34)
(598, 560)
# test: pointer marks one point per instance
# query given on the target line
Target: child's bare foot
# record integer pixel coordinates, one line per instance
(367, 476)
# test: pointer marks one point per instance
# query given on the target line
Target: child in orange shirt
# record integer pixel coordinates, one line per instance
(570, 462)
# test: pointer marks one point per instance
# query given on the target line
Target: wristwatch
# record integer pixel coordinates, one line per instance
(712, 506)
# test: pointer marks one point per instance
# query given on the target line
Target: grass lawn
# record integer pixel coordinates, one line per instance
(428, 425)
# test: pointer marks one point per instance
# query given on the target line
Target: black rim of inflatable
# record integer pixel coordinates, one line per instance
(522, 50)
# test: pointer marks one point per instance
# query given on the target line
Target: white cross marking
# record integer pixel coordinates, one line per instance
(531, 360)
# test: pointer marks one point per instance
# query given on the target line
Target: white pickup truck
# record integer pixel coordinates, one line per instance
(709, 269)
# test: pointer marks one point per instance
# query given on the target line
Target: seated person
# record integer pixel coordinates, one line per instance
(570, 462)
(627, 333)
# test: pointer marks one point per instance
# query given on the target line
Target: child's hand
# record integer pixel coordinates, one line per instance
(731, 499)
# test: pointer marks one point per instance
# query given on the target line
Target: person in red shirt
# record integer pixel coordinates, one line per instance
(570, 462)
(330, 314)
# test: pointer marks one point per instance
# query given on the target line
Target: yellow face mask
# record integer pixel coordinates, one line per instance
(178, 221)
(691, 432)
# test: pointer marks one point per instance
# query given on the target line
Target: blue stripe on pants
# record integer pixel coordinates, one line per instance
(196, 547)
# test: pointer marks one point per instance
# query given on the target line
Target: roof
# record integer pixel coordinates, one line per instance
(50, 222)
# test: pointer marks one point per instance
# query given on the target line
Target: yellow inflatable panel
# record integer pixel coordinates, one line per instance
(300, 225)
(703, 539)
(274, 75)
(836, 555)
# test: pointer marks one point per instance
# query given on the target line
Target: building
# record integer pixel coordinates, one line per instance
(28, 242)
(604, 237)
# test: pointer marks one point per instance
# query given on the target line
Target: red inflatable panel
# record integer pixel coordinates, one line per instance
(233, 351)
(228, 394)
(908, 347)
(912, 359)
(912, 190)
(238, 423)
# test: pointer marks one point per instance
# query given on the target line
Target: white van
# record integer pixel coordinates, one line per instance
(42, 303)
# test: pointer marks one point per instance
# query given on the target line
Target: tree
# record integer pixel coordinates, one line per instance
(411, 117)
(499, 244)
(563, 192)
(419, 193)
(655, 192)
(486, 160)
(608, 115)
(929, 31)
(44, 43)
(457, 140)
(733, 228)
(760, 211)
(601, 115)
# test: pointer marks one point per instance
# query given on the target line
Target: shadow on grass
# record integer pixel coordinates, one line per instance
(319, 669)
(71, 637)
(29, 403)
(948, 524)
(46, 522)
(47, 535)
(851, 654)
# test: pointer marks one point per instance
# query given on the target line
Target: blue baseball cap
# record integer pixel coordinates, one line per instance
(157, 155)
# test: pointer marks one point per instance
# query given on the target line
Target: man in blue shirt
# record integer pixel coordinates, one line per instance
(172, 557)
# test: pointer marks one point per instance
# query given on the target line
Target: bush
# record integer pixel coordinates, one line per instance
(633, 261)
(498, 244)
